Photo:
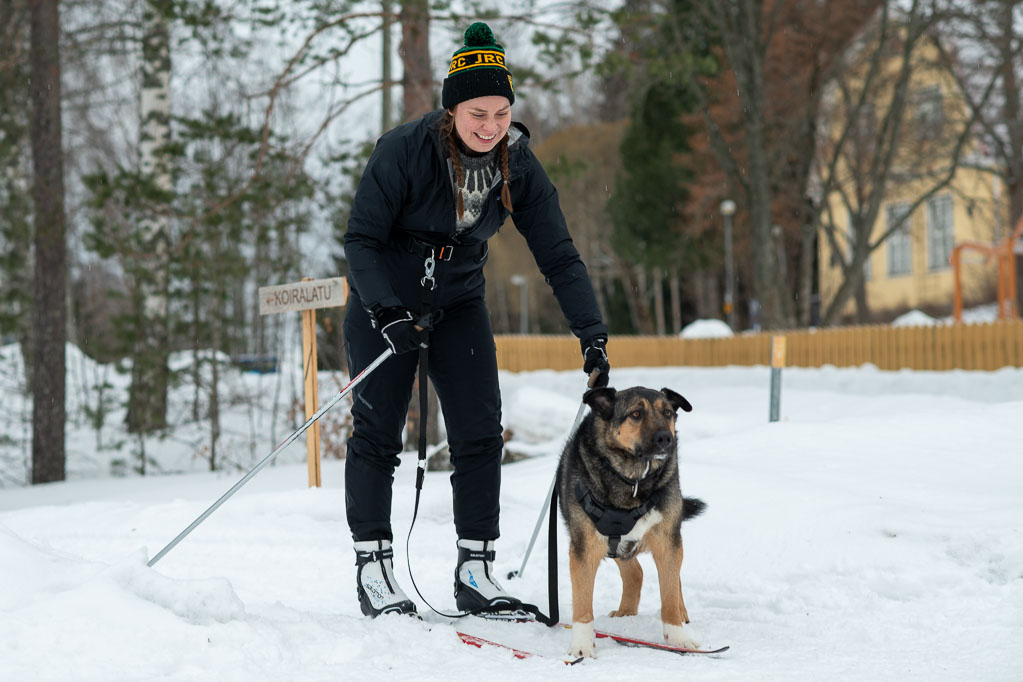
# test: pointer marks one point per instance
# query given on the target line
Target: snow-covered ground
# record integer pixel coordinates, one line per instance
(875, 533)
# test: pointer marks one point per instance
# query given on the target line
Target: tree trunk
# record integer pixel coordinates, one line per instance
(385, 67)
(862, 306)
(658, 287)
(807, 272)
(415, 59)
(1012, 110)
(147, 407)
(675, 291)
(49, 311)
(850, 286)
(214, 406)
(746, 52)
(634, 287)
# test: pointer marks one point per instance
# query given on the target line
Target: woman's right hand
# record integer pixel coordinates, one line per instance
(398, 328)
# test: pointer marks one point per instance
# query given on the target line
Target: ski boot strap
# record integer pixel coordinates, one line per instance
(363, 558)
(466, 554)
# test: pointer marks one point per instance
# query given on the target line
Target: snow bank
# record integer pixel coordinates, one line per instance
(706, 329)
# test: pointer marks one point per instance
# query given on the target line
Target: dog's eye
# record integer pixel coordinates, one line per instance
(636, 414)
(669, 413)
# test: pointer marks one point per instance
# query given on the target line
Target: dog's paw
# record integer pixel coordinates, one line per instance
(679, 635)
(622, 613)
(584, 641)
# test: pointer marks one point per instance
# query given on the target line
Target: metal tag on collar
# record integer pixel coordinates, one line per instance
(428, 266)
(646, 471)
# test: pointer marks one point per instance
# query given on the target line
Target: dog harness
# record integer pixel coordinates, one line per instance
(610, 521)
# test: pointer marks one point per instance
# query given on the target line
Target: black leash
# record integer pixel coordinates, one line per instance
(425, 322)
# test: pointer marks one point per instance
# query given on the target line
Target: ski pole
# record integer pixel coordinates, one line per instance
(266, 460)
(550, 491)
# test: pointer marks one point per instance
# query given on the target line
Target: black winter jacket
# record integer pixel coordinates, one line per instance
(406, 190)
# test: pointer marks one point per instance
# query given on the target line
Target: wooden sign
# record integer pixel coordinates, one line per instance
(305, 295)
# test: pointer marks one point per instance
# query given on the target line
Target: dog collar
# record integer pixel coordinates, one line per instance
(634, 482)
(610, 521)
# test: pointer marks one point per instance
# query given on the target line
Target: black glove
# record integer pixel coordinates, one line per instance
(397, 327)
(595, 358)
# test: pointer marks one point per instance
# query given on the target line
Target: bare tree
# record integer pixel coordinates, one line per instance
(883, 132)
(50, 303)
(417, 82)
(746, 29)
(802, 46)
(989, 32)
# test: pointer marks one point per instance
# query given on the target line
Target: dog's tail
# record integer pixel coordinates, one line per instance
(692, 507)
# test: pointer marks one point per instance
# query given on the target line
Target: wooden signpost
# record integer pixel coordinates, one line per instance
(307, 296)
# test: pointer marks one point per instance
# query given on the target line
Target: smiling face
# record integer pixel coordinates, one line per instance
(482, 122)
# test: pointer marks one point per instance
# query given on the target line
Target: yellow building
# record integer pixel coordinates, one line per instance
(911, 267)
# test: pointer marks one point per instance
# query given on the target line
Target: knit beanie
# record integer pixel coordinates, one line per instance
(477, 69)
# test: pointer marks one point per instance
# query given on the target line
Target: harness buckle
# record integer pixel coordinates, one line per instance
(428, 267)
(446, 252)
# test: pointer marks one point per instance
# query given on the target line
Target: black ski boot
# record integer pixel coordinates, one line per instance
(476, 590)
(378, 590)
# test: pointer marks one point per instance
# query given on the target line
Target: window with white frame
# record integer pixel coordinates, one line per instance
(940, 231)
(900, 255)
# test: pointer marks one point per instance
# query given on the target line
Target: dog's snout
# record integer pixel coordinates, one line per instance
(663, 438)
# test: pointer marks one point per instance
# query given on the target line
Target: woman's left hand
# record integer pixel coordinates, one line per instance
(595, 358)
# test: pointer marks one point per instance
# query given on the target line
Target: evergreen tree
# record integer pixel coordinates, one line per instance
(15, 183)
(650, 192)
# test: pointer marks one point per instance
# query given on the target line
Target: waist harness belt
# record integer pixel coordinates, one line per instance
(443, 253)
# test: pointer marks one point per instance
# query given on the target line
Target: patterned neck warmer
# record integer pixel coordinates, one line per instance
(479, 173)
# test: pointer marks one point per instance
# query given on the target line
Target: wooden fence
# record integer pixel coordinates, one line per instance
(940, 347)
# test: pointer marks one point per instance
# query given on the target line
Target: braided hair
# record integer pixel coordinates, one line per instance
(448, 132)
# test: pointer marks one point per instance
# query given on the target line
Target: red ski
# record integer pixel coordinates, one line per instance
(479, 643)
(648, 644)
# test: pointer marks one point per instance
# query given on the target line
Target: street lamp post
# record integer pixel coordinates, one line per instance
(523, 284)
(727, 211)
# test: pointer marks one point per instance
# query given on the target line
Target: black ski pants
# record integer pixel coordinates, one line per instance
(463, 368)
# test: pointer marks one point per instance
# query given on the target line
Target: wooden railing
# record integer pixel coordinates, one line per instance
(940, 347)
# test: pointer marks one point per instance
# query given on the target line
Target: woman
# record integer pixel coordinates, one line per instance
(432, 193)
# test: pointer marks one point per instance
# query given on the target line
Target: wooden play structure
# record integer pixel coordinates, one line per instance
(1004, 253)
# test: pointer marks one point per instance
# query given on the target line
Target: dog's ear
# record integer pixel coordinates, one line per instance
(677, 401)
(601, 401)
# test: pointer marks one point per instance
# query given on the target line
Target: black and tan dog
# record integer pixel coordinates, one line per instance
(619, 487)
